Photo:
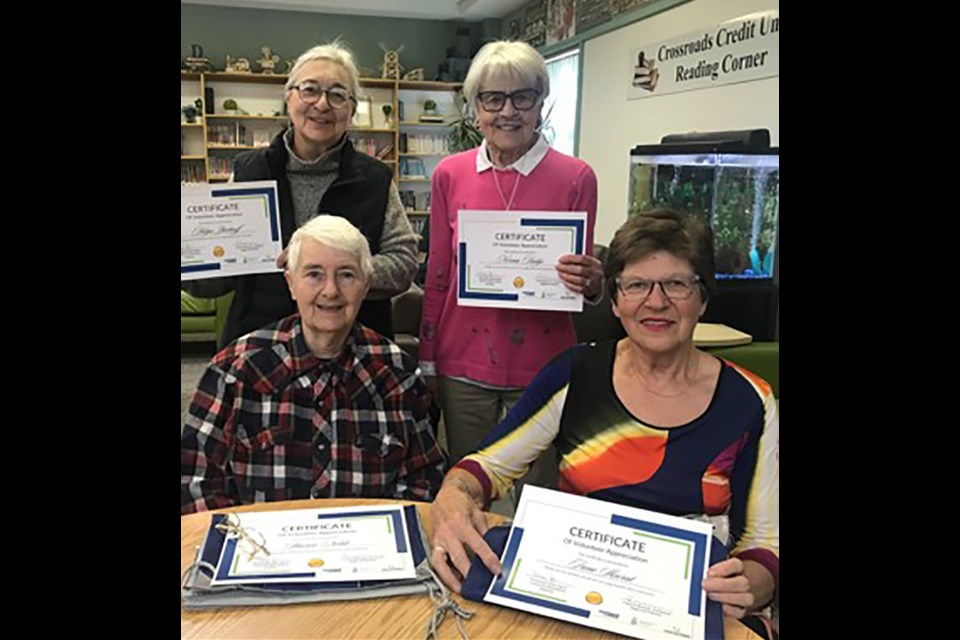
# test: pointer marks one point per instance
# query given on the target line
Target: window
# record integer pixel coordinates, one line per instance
(560, 109)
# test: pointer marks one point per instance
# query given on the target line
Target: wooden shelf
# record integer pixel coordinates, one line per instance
(418, 212)
(428, 85)
(189, 75)
(423, 155)
(221, 116)
(250, 78)
(441, 125)
(193, 157)
(231, 147)
(191, 124)
(414, 179)
(220, 177)
(370, 130)
(383, 83)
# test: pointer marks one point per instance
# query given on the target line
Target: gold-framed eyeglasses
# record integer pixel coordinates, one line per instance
(249, 541)
(675, 288)
(310, 92)
(521, 99)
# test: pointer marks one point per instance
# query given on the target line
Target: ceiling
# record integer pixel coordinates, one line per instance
(470, 10)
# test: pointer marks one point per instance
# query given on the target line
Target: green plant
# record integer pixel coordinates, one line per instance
(190, 113)
(429, 105)
(463, 134)
(387, 110)
(230, 105)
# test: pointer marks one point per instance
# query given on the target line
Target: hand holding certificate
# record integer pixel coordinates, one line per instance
(228, 229)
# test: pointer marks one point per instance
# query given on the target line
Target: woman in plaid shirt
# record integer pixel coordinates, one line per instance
(315, 405)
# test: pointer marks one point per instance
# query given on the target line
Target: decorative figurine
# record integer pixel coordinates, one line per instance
(237, 65)
(387, 116)
(268, 60)
(196, 62)
(391, 62)
(416, 74)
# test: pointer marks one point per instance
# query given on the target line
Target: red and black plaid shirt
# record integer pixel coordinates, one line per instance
(270, 421)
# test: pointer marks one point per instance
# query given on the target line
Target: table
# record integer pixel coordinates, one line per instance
(707, 334)
(395, 617)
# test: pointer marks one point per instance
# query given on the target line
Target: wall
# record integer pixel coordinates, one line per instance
(610, 125)
(241, 32)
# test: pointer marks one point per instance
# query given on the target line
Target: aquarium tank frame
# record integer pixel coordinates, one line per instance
(749, 302)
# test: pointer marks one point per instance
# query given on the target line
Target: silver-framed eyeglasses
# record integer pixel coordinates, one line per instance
(310, 92)
(494, 101)
(675, 288)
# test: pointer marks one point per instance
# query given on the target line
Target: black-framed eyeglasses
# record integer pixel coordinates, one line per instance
(521, 99)
(676, 288)
(310, 92)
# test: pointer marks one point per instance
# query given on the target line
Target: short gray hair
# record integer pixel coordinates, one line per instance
(335, 51)
(336, 233)
(504, 57)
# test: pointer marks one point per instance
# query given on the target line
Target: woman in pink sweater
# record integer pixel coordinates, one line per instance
(479, 360)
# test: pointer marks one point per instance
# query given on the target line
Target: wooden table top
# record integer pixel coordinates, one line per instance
(394, 617)
(707, 334)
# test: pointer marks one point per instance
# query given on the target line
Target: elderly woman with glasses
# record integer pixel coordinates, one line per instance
(317, 169)
(480, 359)
(315, 405)
(648, 421)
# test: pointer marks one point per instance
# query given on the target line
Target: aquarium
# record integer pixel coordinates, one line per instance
(737, 194)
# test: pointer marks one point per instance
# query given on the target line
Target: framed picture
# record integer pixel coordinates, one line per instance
(363, 118)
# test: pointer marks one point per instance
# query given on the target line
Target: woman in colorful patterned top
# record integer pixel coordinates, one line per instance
(648, 421)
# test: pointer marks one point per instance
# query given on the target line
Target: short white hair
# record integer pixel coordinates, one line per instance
(505, 57)
(335, 51)
(336, 233)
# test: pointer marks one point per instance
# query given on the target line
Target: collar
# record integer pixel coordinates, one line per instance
(302, 359)
(330, 154)
(524, 166)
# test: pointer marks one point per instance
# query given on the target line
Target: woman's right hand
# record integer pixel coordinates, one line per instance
(458, 526)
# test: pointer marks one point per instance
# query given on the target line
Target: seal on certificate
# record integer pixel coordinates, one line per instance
(518, 282)
(316, 562)
(594, 597)
(218, 251)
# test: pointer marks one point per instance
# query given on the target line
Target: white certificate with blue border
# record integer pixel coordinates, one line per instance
(606, 566)
(228, 229)
(317, 545)
(508, 258)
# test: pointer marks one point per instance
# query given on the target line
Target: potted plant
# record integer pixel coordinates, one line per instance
(429, 107)
(189, 113)
(387, 113)
(230, 107)
(463, 134)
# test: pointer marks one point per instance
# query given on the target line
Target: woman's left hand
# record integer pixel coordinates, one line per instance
(581, 274)
(727, 584)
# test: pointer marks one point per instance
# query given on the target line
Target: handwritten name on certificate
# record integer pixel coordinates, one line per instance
(606, 566)
(508, 258)
(228, 229)
(317, 545)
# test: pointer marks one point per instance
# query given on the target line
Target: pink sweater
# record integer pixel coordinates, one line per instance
(501, 347)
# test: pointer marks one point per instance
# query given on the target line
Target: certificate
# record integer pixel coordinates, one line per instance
(228, 229)
(316, 545)
(508, 258)
(607, 566)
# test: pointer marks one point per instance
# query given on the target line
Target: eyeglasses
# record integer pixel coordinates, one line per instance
(310, 92)
(494, 101)
(638, 289)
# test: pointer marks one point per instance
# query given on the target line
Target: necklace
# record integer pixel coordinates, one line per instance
(506, 203)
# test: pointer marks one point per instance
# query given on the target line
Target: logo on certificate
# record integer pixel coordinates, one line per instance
(518, 282)
(316, 562)
(218, 251)
(594, 597)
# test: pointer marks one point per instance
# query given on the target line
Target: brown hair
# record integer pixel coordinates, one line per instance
(683, 236)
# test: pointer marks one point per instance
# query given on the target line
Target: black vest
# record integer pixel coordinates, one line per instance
(360, 194)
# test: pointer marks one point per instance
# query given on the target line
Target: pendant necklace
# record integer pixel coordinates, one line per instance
(506, 203)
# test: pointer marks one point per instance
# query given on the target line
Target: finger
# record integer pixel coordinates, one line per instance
(479, 521)
(479, 546)
(733, 611)
(737, 584)
(729, 567)
(439, 561)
